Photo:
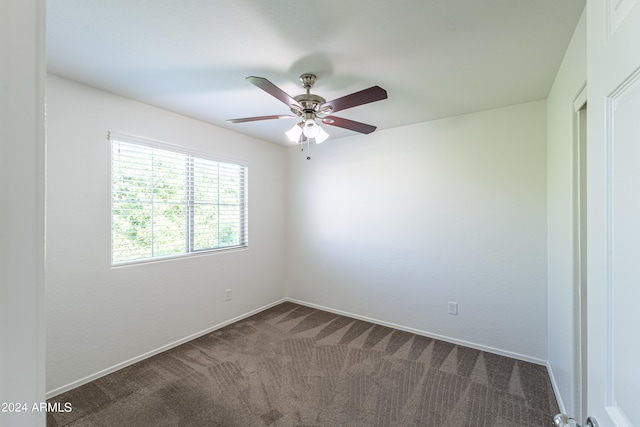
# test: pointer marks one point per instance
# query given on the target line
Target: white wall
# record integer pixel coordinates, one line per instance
(393, 225)
(22, 89)
(569, 81)
(99, 317)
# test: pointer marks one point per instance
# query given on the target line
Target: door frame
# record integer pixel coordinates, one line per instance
(580, 254)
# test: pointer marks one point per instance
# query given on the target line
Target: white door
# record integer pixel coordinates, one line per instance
(613, 212)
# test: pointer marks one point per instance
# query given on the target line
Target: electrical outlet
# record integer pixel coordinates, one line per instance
(453, 308)
(227, 295)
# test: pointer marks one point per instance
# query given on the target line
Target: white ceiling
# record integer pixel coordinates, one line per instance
(435, 58)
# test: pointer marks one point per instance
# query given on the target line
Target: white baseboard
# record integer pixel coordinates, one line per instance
(151, 353)
(556, 390)
(425, 333)
(158, 350)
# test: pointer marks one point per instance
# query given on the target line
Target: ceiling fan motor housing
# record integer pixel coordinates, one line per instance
(310, 103)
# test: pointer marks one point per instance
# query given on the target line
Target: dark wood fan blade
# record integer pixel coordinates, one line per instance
(348, 124)
(255, 119)
(374, 93)
(274, 90)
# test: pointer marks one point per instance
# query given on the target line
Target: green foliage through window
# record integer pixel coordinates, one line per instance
(167, 203)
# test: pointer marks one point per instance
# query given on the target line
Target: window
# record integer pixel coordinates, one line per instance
(167, 202)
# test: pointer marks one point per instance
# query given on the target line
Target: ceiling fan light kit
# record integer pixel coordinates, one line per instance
(308, 108)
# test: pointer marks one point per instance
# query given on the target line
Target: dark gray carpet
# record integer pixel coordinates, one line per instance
(293, 365)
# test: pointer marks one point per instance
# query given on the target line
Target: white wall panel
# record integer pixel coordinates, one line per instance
(99, 317)
(395, 224)
(22, 216)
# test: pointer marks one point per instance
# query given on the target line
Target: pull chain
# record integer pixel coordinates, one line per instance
(308, 147)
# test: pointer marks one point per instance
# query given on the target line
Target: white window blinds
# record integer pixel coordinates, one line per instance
(168, 202)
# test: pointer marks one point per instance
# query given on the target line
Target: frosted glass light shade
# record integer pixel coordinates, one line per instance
(322, 136)
(294, 133)
(311, 128)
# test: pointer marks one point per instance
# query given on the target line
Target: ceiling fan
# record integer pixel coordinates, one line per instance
(309, 107)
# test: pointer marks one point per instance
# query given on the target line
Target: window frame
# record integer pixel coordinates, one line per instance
(194, 156)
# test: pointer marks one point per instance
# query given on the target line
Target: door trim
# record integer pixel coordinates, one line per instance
(579, 254)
